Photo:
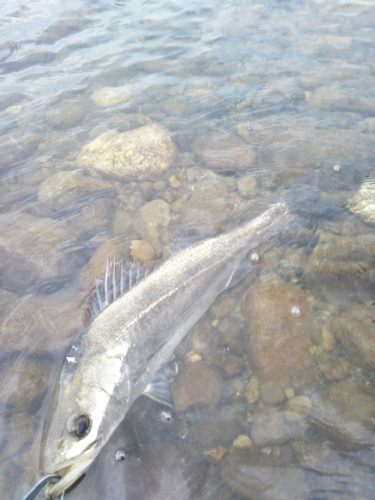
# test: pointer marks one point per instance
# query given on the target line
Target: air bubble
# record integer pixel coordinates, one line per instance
(336, 168)
(254, 257)
(166, 416)
(120, 455)
(296, 311)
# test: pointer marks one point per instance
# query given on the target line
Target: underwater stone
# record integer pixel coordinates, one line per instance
(278, 342)
(137, 154)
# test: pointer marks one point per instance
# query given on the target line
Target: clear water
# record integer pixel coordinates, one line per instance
(287, 85)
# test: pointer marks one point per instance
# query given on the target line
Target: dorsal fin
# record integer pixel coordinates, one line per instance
(185, 237)
(119, 277)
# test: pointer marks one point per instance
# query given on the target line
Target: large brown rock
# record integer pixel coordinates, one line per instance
(138, 154)
(196, 384)
(35, 252)
(280, 325)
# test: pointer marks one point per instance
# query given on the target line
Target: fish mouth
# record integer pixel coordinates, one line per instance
(69, 471)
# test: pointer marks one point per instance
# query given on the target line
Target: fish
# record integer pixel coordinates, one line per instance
(134, 333)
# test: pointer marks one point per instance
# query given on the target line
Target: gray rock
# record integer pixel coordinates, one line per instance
(35, 252)
(67, 113)
(254, 475)
(138, 154)
(247, 186)
(345, 411)
(68, 188)
(272, 393)
(42, 323)
(269, 427)
(355, 332)
(224, 151)
(218, 428)
(295, 150)
(95, 218)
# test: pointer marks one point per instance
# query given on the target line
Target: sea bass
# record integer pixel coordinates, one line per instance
(115, 357)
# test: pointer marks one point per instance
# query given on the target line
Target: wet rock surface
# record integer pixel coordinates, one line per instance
(355, 332)
(35, 252)
(278, 340)
(253, 475)
(345, 411)
(67, 113)
(138, 154)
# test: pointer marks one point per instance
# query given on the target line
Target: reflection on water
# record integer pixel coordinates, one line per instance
(123, 121)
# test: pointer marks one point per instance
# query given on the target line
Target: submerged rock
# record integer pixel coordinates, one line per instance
(224, 151)
(355, 332)
(152, 222)
(13, 149)
(195, 384)
(272, 393)
(35, 252)
(363, 203)
(67, 113)
(280, 326)
(138, 154)
(64, 189)
(42, 323)
(25, 381)
(337, 262)
(254, 475)
(111, 96)
(211, 200)
(270, 427)
(345, 411)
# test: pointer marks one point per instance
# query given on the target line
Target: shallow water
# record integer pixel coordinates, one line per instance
(275, 394)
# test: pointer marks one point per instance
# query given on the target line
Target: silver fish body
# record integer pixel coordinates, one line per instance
(114, 358)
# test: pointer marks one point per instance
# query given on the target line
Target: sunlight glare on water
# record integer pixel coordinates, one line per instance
(123, 121)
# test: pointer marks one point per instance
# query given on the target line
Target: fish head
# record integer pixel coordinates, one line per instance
(88, 403)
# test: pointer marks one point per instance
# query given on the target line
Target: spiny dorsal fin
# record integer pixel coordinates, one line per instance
(119, 277)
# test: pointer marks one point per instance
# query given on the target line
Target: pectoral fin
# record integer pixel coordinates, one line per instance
(158, 390)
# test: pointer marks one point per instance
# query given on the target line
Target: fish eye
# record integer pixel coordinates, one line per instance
(80, 426)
